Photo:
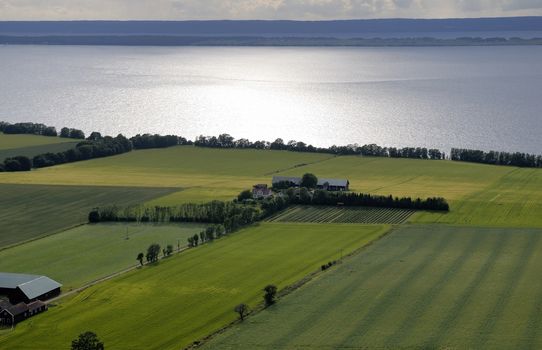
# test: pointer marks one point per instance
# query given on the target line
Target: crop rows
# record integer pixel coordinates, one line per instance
(358, 215)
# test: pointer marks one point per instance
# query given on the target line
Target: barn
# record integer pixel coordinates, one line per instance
(27, 288)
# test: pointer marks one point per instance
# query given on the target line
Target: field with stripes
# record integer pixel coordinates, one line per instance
(355, 215)
(420, 287)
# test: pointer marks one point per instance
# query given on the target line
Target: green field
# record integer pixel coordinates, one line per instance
(21, 141)
(32, 151)
(188, 296)
(31, 211)
(420, 287)
(476, 192)
(359, 215)
(86, 253)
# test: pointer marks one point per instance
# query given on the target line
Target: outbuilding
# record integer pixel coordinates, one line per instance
(27, 288)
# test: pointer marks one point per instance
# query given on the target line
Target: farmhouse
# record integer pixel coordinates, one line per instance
(27, 288)
(20, 312)
(261, 191)
(323, 184)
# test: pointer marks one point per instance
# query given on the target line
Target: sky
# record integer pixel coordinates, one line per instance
(262, 9)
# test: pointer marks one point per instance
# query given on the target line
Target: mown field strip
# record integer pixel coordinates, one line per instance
(358, 215)
(31, 211)
(194, 292)
(424, 286)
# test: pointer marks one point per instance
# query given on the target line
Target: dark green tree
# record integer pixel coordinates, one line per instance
(309, 181)
(87, 341)
(270, 292)
(242, 310)
(246, 194)
(169, 250)
(140, 257)
(153, 252)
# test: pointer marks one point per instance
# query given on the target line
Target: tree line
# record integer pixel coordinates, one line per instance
(40, 129)
(518, 159)
(230, 215)
(373, 150)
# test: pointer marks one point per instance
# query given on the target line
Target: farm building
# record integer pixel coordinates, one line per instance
(261, 191)
(14, 314)
(27, 288)
(323, 184)
(333, 184)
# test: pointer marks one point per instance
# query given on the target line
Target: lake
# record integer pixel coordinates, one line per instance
(476, 97)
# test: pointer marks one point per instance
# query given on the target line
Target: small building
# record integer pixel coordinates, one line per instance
(261, 191)
(27, 288)
(333, 184)
(14, 314)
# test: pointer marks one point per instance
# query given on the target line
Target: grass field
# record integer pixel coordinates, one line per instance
(420, 287)
(86, 253)
(31, 211)
(515, 200)
(32, 151)
(21, 141)
(192, 294)
(360, 215)
(478, 194)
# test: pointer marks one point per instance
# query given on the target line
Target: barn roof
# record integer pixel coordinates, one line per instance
(31, 285)
(333, 182)
(17, 309)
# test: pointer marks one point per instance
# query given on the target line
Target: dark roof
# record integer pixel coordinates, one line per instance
(333, 182)
(4, 304)
(17, 309)
(31, 285)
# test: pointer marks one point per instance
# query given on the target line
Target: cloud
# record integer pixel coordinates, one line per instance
(261, 9)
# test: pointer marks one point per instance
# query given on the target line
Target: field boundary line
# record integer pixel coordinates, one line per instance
(298, 166)
(42, 237)
(292, 288)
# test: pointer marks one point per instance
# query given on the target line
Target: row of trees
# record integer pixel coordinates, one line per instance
(40, 129)
(103, 147)
(351, 199)
(229, 215)
(497, 158)
(19, 163)
(373, 150)
(157, 141)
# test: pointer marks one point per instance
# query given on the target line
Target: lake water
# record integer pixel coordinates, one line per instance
(478, 97)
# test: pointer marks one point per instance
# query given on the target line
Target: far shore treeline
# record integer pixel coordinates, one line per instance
(97, 146)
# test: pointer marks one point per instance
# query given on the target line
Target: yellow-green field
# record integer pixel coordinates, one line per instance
(189, 295)
(420, 287)
(478, 194)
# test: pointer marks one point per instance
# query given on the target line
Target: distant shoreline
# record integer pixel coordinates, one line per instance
(172, 40)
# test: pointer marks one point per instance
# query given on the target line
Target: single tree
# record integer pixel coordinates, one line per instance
(140, 257)
(153, 252)
(309, 181)
(242, 310)
(246, 194)
(169, 250)
(270, 294)
(196, 239)
(87, 341)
